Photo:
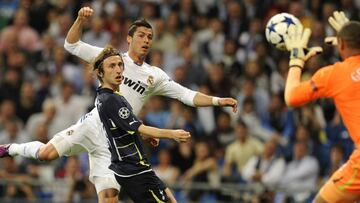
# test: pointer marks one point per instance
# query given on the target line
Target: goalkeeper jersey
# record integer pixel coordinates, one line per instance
(340, 81)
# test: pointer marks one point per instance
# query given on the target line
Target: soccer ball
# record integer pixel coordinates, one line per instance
(277, 27)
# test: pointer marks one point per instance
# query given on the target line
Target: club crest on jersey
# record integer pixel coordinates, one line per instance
(70, 132)
(150, 80)
(124, 113)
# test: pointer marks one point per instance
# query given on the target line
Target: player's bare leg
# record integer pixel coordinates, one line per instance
(108, 196)
(170, 196)
(35, 150)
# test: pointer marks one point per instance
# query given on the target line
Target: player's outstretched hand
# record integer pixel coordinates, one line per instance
(180, 135)
(228, 102)
(85, 12)
(296, 42)
(337, 21)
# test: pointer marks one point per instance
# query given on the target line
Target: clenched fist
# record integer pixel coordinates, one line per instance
(85, 12)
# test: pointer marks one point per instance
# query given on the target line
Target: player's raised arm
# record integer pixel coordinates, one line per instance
(296, 42)
(74, 45)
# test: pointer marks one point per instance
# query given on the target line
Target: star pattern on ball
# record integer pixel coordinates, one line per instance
(272, 27)
(288, 21)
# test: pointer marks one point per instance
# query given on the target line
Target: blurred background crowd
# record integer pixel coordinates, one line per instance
(266, 152)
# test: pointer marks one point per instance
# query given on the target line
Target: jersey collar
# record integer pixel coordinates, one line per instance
(127, 55)
(102, 90)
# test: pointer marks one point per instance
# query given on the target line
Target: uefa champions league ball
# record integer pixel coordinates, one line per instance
(277, 27)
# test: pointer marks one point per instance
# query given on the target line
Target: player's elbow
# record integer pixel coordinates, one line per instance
(290, 100)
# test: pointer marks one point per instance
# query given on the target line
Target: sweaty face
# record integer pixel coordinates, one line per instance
(141, 41)
(113, 69)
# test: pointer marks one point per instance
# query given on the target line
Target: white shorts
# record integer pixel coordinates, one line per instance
(88, 136)
(103, 183)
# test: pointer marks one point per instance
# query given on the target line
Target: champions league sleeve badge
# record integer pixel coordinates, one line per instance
(124, 113)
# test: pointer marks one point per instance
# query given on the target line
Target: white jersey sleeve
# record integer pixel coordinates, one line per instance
(83, 50)
(165, 86)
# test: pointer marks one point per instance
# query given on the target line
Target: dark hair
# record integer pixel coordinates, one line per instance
(138, 23)
(350, 33)
(105, 53)
(240, 122)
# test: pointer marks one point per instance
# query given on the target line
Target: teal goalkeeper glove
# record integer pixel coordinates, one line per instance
(337, 21)
(296, 42)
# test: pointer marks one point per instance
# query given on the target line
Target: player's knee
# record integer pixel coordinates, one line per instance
(108, 196)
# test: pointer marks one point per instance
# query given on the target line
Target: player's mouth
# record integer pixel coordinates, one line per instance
(119, 78)
(145, 47)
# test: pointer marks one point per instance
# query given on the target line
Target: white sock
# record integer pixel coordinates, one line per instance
(28, 150)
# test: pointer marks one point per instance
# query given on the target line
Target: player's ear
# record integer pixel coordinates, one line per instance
(341, 43)
(99, 73)
(128, 39)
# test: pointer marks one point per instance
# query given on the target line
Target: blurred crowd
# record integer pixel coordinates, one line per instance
(213, 46)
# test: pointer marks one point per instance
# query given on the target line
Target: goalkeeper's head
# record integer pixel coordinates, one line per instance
(349, 39)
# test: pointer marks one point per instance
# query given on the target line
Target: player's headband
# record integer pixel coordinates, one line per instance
(98, 63)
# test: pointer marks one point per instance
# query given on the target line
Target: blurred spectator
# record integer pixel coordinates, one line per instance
(206, 115)
(297, 9)
(38, 15)
(191, 123)
(19, 185)
(235, 22)
(13, 133)
(43, 87)
(230, 63)
(278, 76)
(224, 132)
(26, 105)
(62, 70)
(260, 96)
(249, 38)
(336, 160)
(59, 27)
(157, 115)
(45, 117)
(27, 37)
(69, 107)
(41, 58)
(266, 169)
(202, 171)
(213, 47)
(97, 35)
(10, 87)
(300, 176)
(8, 114)
(279, 118)
(256, 128)
(175, 119)
(240, 151)
(79, 187)
(219, 84)
(183, 156)
(164, 170)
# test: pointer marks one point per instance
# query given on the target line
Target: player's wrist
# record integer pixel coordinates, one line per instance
(297, 62)
(215, 101)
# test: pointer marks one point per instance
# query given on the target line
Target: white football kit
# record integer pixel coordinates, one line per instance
(139, 84)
